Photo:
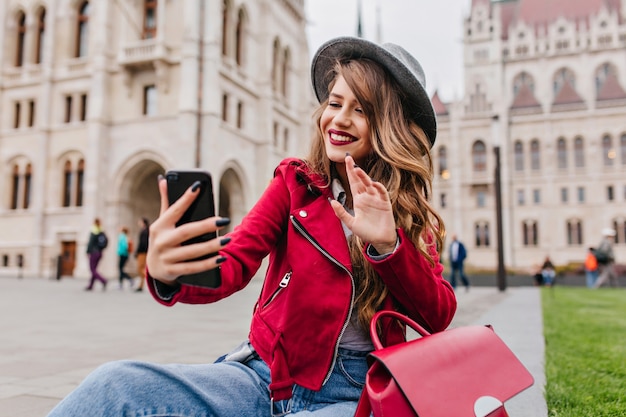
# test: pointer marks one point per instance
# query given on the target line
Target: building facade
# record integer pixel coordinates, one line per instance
(99, 97)
(545, 82)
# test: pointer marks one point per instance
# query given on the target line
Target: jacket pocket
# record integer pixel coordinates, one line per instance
(282, 285)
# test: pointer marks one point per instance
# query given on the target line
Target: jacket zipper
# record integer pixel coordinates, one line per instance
(308, 237)
(281, 286)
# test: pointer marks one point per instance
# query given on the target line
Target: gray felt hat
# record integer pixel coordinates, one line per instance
(395, 59)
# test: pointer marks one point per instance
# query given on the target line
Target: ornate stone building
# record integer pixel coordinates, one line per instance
(545, 81)
(99, 97)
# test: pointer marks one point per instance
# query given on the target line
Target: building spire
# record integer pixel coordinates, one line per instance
(359, 25)
(379, 35)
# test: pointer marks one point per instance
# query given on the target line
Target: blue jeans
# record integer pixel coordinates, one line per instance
(225, 389)
(592, 277)
(457, 267)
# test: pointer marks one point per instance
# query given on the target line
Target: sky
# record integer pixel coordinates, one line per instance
(431, 30)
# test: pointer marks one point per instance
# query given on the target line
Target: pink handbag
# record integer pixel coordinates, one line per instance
(462, 372)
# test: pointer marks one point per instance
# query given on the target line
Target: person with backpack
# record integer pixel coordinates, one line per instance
(606, 259)
(591, 267)
(98, 241)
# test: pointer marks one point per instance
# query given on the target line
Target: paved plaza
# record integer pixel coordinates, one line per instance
(53, 333)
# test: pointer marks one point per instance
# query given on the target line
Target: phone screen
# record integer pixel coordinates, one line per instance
(203, 207)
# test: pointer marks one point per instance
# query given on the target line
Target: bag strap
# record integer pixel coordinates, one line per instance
(363, 408)
(403, 318)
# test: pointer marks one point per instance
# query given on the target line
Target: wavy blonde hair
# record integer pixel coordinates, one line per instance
(400, 160)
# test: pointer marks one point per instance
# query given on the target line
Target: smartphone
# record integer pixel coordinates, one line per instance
(179, 181)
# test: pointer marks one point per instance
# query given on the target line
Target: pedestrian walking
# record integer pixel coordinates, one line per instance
(457, 253)
(548, 272)
(142, 250)
(591, 268)
(98, 241)
(606, 259)
(123, 246)
(348, 231)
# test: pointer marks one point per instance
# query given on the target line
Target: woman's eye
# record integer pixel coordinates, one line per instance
(333, 104)
(358, 110)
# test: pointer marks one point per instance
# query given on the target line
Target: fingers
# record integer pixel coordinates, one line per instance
(187, 259)
(360, 182)
(175, 270)
(168, 259)
(341, 213)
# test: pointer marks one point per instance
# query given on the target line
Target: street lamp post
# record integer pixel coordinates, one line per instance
(501, 274)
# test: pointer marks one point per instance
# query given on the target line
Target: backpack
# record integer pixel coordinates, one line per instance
(602, 256)
(131, 246)
(102, 241)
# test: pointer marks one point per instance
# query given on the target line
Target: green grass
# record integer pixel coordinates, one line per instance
(585, 334)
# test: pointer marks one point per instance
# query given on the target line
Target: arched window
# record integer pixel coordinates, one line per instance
(150, 19)
(27, 186)
(579, 152)
(608, 153)
(240, 37)
(275, 64)
(225, 26)
(286, 139)
(286, 65)
(41, 30)
(530, 233)
(67, 184)
(15, 186)
(519, 155)
(80, 175)
(604, 71)
(535, 155)
(479, 156)
(239, 114)
(82, 31)
(443, 162)
(20, 186)
(523, 80)
(225, 107)
(574, 232)
(561, 149)
(481, 234)
(562, 77)
(21, 38)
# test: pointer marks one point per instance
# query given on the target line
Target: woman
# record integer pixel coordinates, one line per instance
(349, 231)
(123, 245)
(142, 250)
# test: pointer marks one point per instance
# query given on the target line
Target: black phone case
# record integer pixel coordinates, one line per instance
(203, 207)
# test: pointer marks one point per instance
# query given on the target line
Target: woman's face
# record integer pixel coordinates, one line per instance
(345, 126)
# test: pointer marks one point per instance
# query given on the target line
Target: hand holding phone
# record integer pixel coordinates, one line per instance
(203, 207)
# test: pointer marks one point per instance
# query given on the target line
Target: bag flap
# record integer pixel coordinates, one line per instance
(446, 373)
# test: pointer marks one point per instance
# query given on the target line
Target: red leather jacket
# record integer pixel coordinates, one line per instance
(307, 295)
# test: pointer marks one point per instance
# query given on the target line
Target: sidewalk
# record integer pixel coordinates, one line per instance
(52, 334)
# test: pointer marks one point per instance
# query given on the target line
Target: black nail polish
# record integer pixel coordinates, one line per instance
(220, 260)
(195, 186)
(222, 222)
(224, 241)
(356, 166)
(347, 153)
